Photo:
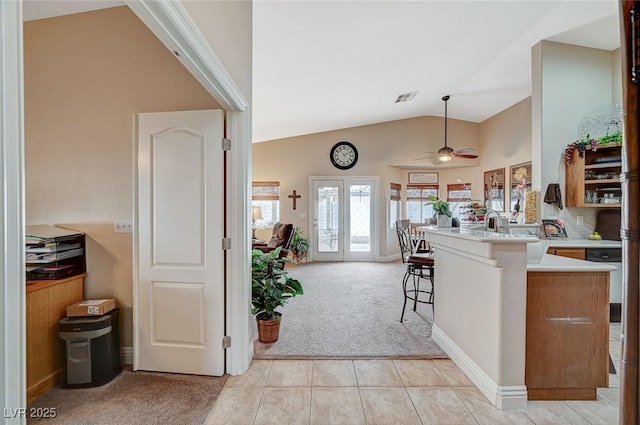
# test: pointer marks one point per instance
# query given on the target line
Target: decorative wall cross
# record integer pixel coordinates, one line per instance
(294, 197)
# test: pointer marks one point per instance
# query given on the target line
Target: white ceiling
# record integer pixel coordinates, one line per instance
(326, 65)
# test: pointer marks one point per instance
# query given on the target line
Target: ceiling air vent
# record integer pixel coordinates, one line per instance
(406, 97)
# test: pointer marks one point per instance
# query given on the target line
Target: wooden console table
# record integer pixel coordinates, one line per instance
(47, 302)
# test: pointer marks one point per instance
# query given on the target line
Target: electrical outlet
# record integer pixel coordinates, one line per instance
(122, 225)
(580, 220)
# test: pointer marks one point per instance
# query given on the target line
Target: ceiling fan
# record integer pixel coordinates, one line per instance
(447, 153)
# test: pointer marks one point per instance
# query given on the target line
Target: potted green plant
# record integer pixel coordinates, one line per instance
(271, 288)
(442, 211)
(299, 246)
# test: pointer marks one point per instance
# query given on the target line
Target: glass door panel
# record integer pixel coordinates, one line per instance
(327, 221)
(359, 218)
(328, 218)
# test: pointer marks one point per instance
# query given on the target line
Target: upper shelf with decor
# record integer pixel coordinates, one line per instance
(594, 161)
(593, 173)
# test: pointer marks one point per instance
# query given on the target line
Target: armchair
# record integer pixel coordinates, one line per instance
(281, 237)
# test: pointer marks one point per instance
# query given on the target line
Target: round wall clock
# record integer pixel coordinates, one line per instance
(343, 155)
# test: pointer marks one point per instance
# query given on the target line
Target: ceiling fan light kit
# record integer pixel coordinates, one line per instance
(446, 153)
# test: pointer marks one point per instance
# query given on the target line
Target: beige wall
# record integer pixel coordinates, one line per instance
(227, 27)
(570, 83)
(85, 77)
(502, 141)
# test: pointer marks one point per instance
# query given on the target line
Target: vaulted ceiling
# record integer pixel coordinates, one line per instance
(326, 65)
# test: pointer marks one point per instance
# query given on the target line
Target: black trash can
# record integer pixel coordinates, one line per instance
(91, 349)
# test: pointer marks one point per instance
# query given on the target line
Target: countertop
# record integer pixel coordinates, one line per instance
(583, 243)
(479, 235)
(482, 236)
(556, 263)
(536, 250)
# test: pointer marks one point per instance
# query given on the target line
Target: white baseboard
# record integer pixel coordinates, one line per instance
(389, 258)
(512, 397)
(126, 354)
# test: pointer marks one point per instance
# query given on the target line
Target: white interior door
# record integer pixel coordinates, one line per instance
(179, 290)
(344, 219)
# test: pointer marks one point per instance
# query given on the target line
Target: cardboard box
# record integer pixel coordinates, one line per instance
(91, 307)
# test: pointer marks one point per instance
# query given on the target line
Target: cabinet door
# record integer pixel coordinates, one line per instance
(577, 253)
(567, 335)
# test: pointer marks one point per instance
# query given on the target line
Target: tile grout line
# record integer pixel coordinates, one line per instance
(465, 404)
(404, 385)
(264, 387)
(364, 413)
(577, 413)
(443, 374)
(255, 415)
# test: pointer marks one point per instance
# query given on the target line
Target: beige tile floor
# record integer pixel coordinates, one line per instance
(389, 392)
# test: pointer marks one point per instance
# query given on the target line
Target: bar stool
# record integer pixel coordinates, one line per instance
(419, 266)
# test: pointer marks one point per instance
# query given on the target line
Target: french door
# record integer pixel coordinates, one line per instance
(343, 218)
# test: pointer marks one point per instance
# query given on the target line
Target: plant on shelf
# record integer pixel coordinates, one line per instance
(299, 246)
(271, 288)
(439, 206)
(588, 142)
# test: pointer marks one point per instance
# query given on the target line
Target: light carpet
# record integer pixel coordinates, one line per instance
(351, 310)
(134, 398)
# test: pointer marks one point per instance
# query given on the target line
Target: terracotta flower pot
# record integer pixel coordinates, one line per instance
(268, 330)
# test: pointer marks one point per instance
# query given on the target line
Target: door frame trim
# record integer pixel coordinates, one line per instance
(13, 354)
(172, 25)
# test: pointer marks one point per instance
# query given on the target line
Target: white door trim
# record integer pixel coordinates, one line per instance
(170, 22)
(173, 26)
(238, 262)
(13, 354)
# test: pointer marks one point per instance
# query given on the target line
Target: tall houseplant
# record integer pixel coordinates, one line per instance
(271, 288)
(299, 246)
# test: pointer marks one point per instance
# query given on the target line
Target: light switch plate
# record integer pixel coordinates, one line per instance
(302, 215)
(122, 225)
(580, 220)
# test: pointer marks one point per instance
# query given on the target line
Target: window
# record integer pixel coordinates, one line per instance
(417, 198)
(457, 196)
(267, 196)
(394, 204)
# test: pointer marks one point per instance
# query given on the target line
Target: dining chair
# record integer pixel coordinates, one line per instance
(418, 242)
(419, 266)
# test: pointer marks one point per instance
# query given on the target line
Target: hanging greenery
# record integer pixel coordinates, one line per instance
(587, 142)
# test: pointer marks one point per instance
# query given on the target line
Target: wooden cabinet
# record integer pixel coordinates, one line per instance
(578, 253)
(567, 342)
(47, 302)
(593, 181)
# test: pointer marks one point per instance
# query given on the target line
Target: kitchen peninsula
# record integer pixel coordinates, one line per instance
(495, 329)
